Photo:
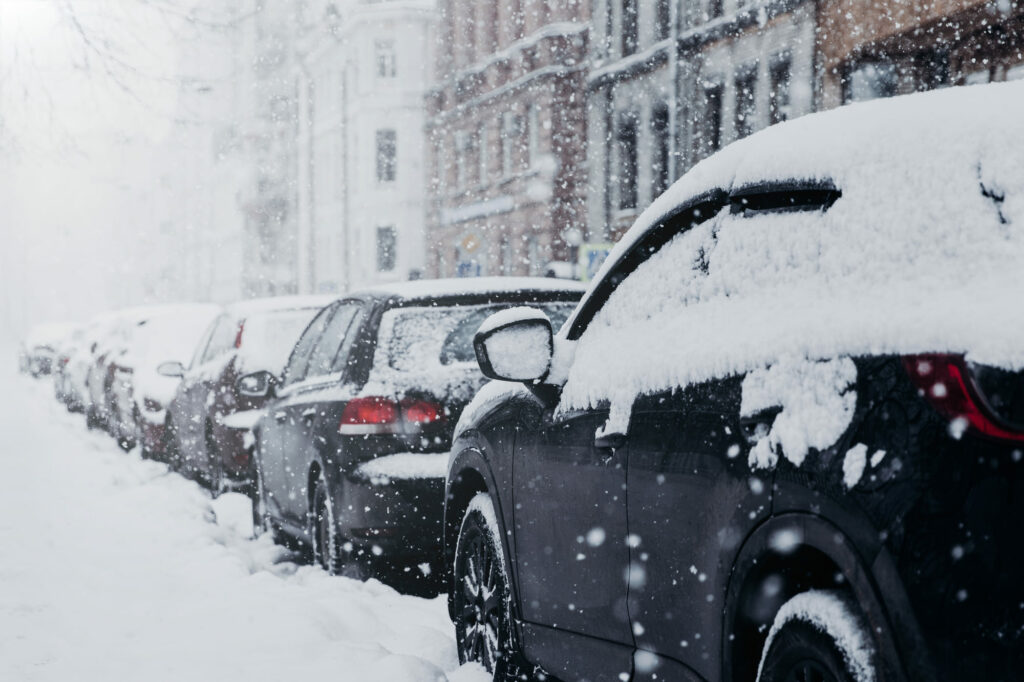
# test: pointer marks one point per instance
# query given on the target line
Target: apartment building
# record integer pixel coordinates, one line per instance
(506, 127)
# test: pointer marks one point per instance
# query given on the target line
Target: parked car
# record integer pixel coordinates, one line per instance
(780, 437)
(65, 349)
(39, 348)
(208, 424)
(140, 393)
(113, 337)
(352, 452)
(75, 373)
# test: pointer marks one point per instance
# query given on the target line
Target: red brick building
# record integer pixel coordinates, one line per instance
(506, 127)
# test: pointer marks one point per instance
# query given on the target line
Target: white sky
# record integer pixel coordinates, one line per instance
(77, 163)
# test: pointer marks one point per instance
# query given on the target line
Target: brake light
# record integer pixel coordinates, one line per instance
(945, 382)
(238, 334)
(420, 411)
(376, 415)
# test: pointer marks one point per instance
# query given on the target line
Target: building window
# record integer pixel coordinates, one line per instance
(385, 52)
(630, 36)
(872, 80)
(507, 265)
(778, 102)
(532, 134)
(659, 127)
(746, 87)
(511, 131)
(663, 19)
(461, 162)
(712, 119)
(627, 137)
(483, 156)
(387, 244)
(533, 256)
(386, 152)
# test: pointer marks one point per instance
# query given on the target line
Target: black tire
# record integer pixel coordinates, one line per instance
(261, 521)
(212, 476)
(802, 653)
(328, 546)
(91, 421)
(482, 597)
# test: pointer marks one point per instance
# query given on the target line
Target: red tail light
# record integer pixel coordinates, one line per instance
(375, 415)
(946, 382)
(421, 411)
(238, 334)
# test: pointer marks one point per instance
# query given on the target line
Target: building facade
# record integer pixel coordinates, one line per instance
(506, 129)
(891, 48)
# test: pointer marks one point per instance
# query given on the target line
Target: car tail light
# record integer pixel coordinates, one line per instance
(416, 411)
(950, 385)
(238, 334)
(376, 415)
(366, 416)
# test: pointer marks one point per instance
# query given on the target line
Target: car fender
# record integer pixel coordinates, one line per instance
(869, 575)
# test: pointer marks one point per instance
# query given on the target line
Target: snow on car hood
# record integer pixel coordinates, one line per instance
(921, 253)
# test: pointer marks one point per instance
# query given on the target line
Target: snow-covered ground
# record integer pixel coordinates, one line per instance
(112, 568)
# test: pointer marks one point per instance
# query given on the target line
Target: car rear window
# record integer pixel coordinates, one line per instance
(268, 338)
(419, 337)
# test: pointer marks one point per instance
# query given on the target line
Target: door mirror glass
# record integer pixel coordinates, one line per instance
(515, 345)
(256, 385)
(171, 368)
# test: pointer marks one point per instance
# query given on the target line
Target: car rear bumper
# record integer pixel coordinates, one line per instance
(395, 519)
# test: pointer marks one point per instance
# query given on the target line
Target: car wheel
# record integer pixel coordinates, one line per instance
(261, 521)
(817, 638)
(214, 475)
(91, 422)
(481, 592)
(328, 552)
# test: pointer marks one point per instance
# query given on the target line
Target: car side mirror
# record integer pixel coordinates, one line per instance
(171, 368)
(256, 385)
(515, 345)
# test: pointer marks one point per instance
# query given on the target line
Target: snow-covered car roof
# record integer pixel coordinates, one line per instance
(917, 247)
(271, 304)
(897, 156)
(467, 286)
(49, 333)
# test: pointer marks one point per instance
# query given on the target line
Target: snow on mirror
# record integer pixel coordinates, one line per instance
(515, 345)
(171, 368)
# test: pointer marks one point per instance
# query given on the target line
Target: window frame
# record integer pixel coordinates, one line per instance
(286, 383)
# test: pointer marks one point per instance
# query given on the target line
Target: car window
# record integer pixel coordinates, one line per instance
(197, 357)
(322, 359)
(344, 356)
(298, 362)
(222, 339)
(458, 344)
(694, 212)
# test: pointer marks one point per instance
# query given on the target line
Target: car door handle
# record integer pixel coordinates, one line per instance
(309, 413)
(280, 416)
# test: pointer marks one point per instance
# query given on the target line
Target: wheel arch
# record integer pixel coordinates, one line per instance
(469, 475)
(789, 554)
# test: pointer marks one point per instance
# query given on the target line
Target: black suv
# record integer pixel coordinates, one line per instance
(352, 452)
(781, 436)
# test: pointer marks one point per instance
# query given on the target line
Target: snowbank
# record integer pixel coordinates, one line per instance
(124, 571)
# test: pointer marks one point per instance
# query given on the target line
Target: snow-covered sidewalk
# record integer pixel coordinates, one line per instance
(112, 569)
